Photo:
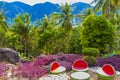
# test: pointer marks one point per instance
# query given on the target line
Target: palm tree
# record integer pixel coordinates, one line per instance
(84, 14)
(3, 27)
(22, 27)
(45, 22)
(3, 18)
(64, 17)
(109, 7)
(2, 22)
(3, 30)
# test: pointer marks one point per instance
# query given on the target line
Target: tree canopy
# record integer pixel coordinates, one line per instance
(97, 32)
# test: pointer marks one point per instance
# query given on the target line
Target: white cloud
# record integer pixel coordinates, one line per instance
(32, 2)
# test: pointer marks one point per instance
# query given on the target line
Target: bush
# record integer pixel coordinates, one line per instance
(91, 60)
(114, 61)
(90, 52)
(28, 70)
(97, 32)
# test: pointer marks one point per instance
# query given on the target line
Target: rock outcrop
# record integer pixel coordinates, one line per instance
(9, 55)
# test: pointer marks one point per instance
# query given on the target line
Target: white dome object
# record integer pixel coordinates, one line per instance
(80, 75)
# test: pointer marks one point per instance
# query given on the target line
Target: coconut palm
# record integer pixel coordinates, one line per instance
(22, 27)
(3, 30)
(44, 23)
(64, 17)
(3, 27)
(85, 13)
(3, 18)
(3, 23)
(109, 7)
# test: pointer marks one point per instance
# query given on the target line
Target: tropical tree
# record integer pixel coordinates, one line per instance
(3, 18)
(97, 32)
(22, 28)
(45, 22)
(116, 22)
(109, 7)
(3, 27)
(84, 14)
(75, 46)
(64, 17)
(2, 22)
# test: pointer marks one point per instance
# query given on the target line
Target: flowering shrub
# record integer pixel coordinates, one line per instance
(67, 65)
(28, 70)
(2, 70)
(71, 57)
(58, 57)
(40, 66)
(44, 60)
(114, 61)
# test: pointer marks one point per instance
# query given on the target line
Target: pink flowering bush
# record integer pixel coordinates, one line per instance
(42, 61)
(2, 70)
(29, 70)
(67, 65)
(40, 66)
(72, 57)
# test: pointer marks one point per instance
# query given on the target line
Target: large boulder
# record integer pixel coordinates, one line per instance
(9, 55)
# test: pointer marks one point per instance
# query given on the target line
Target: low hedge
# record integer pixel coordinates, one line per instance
(90, 52)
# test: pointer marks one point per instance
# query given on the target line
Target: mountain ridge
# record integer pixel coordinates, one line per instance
(38, 10)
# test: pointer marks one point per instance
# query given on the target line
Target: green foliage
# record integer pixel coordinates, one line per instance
(12, 41)
(113, 53)
(3, 30)
(118, 51)
(52, 40)
(109, 7)
(97, 32)
(27, 58)
(90, 59)
(46, 40)
(90, 52)
(75, 46)
(55, 34)
(22, 28)
(116, 22)
(64, 18)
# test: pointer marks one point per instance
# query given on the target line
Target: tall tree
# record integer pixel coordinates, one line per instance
(3, 26)
(109, 7)
(64, 17)
(22, 27)
(3, 23)
(84, 14)
(97, 32)
(3, 18)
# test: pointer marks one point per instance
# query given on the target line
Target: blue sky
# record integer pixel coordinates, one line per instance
(32, 2)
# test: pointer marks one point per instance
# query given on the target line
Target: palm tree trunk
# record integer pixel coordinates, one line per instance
(25, 49)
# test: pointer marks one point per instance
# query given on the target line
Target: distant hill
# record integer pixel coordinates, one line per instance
(80, 6)
(38, 10)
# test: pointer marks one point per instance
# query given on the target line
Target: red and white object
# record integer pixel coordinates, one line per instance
(106, 70)
(80, 65)
(56, 68)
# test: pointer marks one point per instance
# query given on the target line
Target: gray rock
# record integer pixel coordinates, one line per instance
(24, 60)
(9, 55)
